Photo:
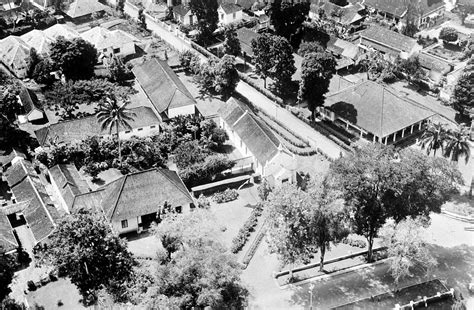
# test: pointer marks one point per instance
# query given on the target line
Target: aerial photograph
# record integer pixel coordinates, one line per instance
(236, 154)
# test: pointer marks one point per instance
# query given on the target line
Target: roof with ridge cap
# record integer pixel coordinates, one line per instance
(81, 8)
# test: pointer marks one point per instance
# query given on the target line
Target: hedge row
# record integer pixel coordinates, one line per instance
(249, 226)
(261, 89)
(285, 134)
(253, 248)
(226, 196)
(307, 151)
(355, 243)
(203, 51)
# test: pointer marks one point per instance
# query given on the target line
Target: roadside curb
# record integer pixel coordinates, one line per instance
(335, 274)
(458, 217)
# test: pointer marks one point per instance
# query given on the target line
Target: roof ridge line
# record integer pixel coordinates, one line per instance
(260, 126)
(118, 196)
(172, 181)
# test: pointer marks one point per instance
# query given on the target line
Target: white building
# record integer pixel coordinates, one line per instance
(145, 123)
(14, 54)
(183, 15)
(229, 13)
(111, 43)
(254, 139)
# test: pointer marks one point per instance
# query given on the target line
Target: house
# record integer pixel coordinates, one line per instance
(345, 52)
(426, 14)
(165, 91)
(388, 42)
(30, 205)
(42, 4)
(14, 54)
(145, 123)
(61, 30)
(39, 40)
(263, 20)
(132, 202)
(31, 107)
(111, 43)
(374, 112)
(68, 183)
(436, 67)
(8, 242)
(246, 36)
(229, 13)
(349, 16)
(81, 11)
(254, 139)
(183, 15)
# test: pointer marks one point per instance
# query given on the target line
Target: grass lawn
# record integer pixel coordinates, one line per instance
(62, 290)
(232, 215)
(445, 52)
(144, 245)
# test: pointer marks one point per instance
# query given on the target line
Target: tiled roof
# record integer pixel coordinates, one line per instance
(181, 10)
(162, 86)
(433, 63)
(7, 239)
(14, 52)
(103, 38)
(39, 40)
(342, 48)
(69, 182)
(28, 99)
(398, 8)
(61, 30)
(230, 8)
(387, 38)
(27, 187)
(258, 138)
(376, 109)
(80, 129)
(245, 37)
(84, 7)
(137, 194)
(88, 201)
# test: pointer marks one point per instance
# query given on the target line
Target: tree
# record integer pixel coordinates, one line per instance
(111, 115)
(7, 270)
(433, 138)
(32, 61)
(231, 42)
(141, 19)
(283, 63)
(301, 223)
(317, 70)
(411, 67)
(42, 72)
(307, 47)
(118, 72)
(448, 34)
(458, 144)
(120, 6)
(412, 14)
(288, 16)
(380, 183)
(226, 76)
(95, 256)
(262, 50)
(10, 106)
(207, 18)
(463, 96)
(76, 58)
(407, 248)
(200, 273)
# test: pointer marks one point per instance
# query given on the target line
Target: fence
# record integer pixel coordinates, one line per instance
(211, 188)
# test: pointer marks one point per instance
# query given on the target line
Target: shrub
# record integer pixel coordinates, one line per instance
(226, 196)
(186, 58)
(244, 233)
(285, 133)
(355, 242)
(31, 285)
(448, 34)
(261, 89)
(60, 303)
(203, 202)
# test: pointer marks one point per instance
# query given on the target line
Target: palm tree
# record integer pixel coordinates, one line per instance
(458, 145)
(111, 115)
(434, 137)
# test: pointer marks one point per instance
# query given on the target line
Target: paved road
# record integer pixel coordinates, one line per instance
(297, 125)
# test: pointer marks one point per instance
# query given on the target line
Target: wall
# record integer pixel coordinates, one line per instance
(144, 132)
(132, 226)
(186, 110)
(125, 50)
(35, 114)
(58, 193)
(228, 18)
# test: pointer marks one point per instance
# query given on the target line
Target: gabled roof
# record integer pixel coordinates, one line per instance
(162, 86)
(379, 37)
(230, 8)
(39, 40)
(27, 188)
(349, 13)
(103, 38)
(80, 129)
(342, 48)
(61, 30)
(245, 37)
(376, 109)
(69, 182)
(138, 194)
(28, 99)
(7, 239)
(433, 63)
(84, 7)
(14, 52)
(181, 10)
(258, 138)
(398, 8)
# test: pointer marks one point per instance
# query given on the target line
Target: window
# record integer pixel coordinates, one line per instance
(233, 15)
(124, 223)
(127, 131)
(140, 129)
(178, 209)
(116, 50)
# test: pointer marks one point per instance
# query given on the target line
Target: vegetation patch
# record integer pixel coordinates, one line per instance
(226, 196)
(249, 226)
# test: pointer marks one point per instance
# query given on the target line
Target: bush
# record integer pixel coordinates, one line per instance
(244, 233)
(448, 34)
(285, 134)
(31, 285)
(355, 243)
(206, 171)
(186, 58)
(226, 196)
(261, 89)
(203, 202)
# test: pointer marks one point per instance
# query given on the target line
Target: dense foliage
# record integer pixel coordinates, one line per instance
(76, 58)
(231, 42)
(207, 18)
(463, 97)
(448, 34)
(84, 248)
(288, 16)
(7, 269)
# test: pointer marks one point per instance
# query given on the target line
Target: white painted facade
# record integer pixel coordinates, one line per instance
(126, 226)
(186, 110)
(140, 132)
(226, 19)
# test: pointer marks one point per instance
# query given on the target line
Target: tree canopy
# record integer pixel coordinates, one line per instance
(288, 16)
(463, 96)
(84, 248)
(380, 183)
(76, 58)
(7, 270)
(448, 34)
(231, 42)
(207, 17)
